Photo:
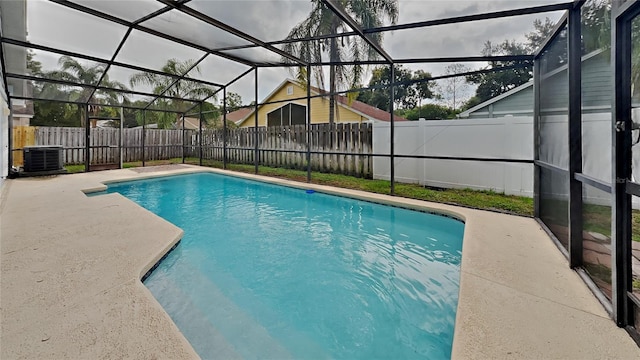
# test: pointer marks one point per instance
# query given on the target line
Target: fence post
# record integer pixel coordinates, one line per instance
(87, 139)
(308, 127)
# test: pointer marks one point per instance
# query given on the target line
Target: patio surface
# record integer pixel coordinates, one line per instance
(71, 268)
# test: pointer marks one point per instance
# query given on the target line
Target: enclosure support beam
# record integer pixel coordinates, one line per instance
(87, 139)
(177, 80)
(255, 124)
(308, 123)
(10, 135)
(184, 142)
(536, 137)
(575, 137)
(139, 27)
(200, 118)
(120, 140)
(339, 10)
(144, 113)
(108, 66)
(224, 127)
(621, 170)
(392, 130)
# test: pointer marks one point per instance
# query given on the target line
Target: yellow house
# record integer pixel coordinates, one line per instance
(294, 112)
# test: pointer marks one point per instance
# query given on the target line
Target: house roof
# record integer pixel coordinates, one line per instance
(239, 114)
(189, 123)
(465, 114)
(494, 99)
(356, 106)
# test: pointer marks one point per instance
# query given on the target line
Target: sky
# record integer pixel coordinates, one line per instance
(56, 26)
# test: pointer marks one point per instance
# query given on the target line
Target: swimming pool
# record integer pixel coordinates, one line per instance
(266, 271)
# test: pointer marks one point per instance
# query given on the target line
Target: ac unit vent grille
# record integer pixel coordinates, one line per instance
(42, 158)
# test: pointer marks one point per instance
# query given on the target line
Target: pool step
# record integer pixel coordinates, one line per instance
(208, 342)
(249, 339)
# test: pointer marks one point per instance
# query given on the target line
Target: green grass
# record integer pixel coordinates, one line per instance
(487, 200)
(596, 218)
(74, 168)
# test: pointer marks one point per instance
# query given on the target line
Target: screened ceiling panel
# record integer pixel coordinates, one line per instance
(43, 90)
(49, 65)
(348, 48)
(180, 25)
(145, 81)
(217, 69)
(157, 51)
(130, 10)
(264, 20)
(463, 39)
(256, 55)
(412, 11)
(78, 32)
(191, 90)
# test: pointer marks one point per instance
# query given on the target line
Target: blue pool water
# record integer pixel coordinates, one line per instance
(265, 271)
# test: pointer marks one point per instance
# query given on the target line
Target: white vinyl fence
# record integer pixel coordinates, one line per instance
(509, 138)
(506, 137)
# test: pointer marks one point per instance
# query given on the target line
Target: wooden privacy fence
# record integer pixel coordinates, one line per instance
(22, 136)
(353, 142)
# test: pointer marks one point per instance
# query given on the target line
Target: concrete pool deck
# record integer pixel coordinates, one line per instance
(71, 267)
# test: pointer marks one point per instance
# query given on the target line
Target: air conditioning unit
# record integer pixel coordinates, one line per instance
(42, 158)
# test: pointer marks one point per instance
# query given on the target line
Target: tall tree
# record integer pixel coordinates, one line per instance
(234, 101)
(453, 89)
(322, 21)
(406, 95)
(498, 82)
(182, 89)
(74, 71)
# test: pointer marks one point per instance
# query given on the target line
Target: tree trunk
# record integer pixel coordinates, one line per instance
(332, 80)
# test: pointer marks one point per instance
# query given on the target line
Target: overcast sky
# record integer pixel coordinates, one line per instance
(54, 25)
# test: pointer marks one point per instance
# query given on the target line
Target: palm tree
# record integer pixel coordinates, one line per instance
(322, 21)
(182, 89)
(72, 70)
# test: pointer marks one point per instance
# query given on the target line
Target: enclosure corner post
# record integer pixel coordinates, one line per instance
(255, 125)
(10, 139)
(120, 142)
(536, 137)
(144, 114)
(575, 137)
(183, 140)
(87, 139)
(392, 132)
(224, 127)
(201, 119)
(308, 123)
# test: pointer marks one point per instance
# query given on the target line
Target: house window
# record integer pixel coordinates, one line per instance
(290, 114)
(290, 90)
